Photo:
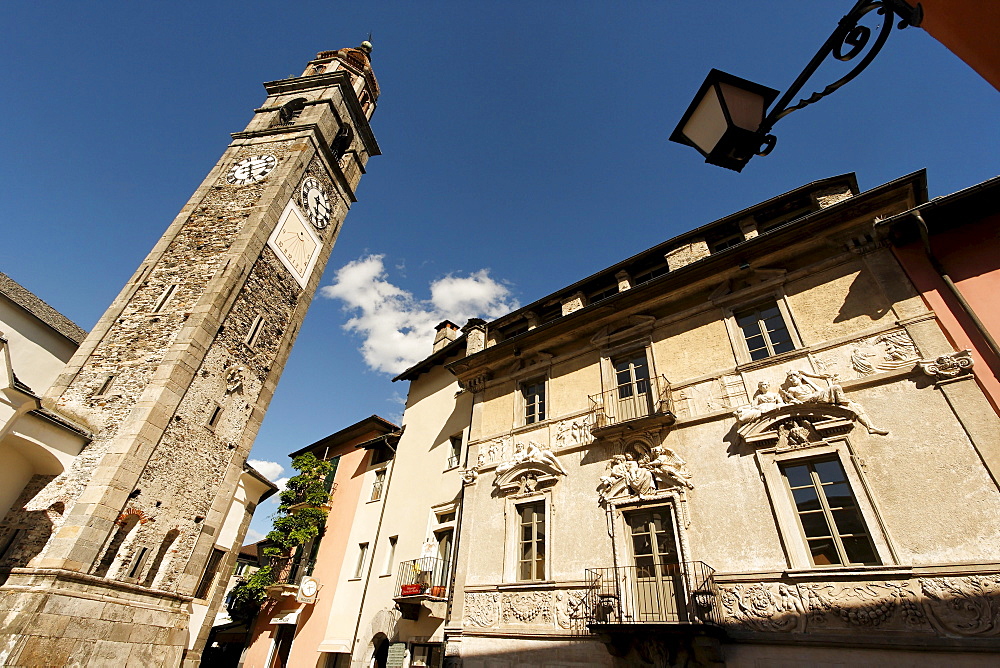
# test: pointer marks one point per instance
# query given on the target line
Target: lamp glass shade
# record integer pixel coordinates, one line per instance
(746, 107)
(707, 123)
(723, 120)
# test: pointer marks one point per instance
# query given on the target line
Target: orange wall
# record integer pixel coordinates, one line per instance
(971, 256)
(970, 29)
(311, 626)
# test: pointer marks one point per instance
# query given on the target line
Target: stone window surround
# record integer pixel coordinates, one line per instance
(512, 521)
(520, 404)
(792, 538)
(622, 543)
(754, 295)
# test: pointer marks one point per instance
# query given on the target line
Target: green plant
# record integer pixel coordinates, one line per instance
(298, 521)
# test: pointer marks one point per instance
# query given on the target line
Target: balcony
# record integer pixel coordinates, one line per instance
(637, 404)
(681, 595)
(287, 572)
(422, 583)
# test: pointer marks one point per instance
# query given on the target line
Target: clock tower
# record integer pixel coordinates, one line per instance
(103, 561)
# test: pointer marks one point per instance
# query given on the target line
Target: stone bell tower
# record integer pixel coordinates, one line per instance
(174, 380)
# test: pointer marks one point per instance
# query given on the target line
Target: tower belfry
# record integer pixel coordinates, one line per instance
(174, 380)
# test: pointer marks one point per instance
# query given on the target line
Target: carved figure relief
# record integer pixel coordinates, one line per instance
(796, 433)
(662, 469)
(527, 607)
(887, 352)
(760, 607)
(764, 401)
(570, 607)
(482, 609)
(944, 367)
(531, 452)
(800, 390)
(575, 432)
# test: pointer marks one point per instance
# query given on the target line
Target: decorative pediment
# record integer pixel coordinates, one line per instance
(526, 477)
(531, 466)
(797, 425)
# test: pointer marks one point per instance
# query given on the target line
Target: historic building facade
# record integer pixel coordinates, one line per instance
(171, 385)
(751, 445)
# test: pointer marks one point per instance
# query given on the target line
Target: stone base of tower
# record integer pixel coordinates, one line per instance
(61, 618)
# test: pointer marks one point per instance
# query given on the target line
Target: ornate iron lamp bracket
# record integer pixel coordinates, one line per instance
(846, 43)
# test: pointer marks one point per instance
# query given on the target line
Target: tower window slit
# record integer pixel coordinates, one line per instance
(213, 420)
(254, 333)
(164, 298)
(106, 385)
(137, 564)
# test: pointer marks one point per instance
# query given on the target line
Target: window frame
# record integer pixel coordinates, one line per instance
(359, 567)
(522, 386)
(789, 527)
(836, 532)
(545, 541)
(378, 484)
(736, 336)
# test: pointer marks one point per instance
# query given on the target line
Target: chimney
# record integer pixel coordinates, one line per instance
(447, 332)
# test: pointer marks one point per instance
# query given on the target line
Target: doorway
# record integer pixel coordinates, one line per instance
(657, 587)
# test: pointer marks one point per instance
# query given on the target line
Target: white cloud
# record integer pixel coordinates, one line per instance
(252, 537)
(397, 329)
(270, 470)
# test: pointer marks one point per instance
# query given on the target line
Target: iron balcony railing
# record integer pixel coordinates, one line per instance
(638, 399)
(683, 593)
(426, 577)
(289, 570)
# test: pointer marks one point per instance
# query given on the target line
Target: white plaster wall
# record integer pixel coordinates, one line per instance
(38, 353)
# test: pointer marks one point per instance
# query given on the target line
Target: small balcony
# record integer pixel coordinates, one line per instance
(639, 403)
(287, 573)
(679, 595)
(422, 579)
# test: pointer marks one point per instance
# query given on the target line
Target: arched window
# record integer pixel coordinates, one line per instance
(168, 541)
(126, 525)
(290, 111)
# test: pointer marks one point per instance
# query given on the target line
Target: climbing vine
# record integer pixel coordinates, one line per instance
(299, 520)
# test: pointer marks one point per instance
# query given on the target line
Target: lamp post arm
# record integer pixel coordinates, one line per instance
(847, 42)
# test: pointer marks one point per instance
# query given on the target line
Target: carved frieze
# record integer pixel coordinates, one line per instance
(945, 606)
(886, 352)
(570, 607)
(482, 609)
(533, 607)
(570, 433)
(945, 367)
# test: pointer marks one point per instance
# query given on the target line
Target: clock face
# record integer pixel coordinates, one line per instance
(316, 202)
(251, 170)
(309, 587)
(295, 243)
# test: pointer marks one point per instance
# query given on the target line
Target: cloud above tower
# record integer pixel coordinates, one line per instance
(396, 328)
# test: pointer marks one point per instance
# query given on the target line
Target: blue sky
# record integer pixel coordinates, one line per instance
(524, 147)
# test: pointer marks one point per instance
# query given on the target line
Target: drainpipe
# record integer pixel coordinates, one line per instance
(966, 307)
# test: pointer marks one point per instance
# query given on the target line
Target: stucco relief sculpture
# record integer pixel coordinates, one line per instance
(574, 432)
(470, 475)
(892, 351)
(800, 390)
(530, 452)
(662, 469)
(570, 607)
(764, 401)
(234, 379)
(946, 606)
(482, 609)
(963, 606)
(944, 367)
(527, 607)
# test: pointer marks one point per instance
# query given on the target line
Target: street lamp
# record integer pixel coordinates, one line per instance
(726, 123)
